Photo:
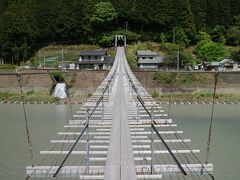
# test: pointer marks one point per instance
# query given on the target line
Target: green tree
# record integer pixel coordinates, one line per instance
(235, 55)
(18, 31)
(218, 12)
(179, 13)
(237, 21)
(162, 38)
(199, 8)
(235, 7)
(3, 6)
(46, 16)
(218, 33)
(170, 51)
(104, 14)
(186, 58)
(181, 37)
(203, 36)
(63, 22)
(233, 36)
(82, 11)
(125, 9)
(211, 51)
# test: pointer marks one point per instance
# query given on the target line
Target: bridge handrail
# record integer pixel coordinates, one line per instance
(102, 96)
(139, 98)
(89, 115)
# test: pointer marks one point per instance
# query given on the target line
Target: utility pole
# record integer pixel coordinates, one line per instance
(174, 40)
(39, 55)
(44, 62)
(178, 60)
(126, 25)
(174, 35)
(62, 57)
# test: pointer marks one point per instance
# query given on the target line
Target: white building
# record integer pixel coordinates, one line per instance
(94, 59)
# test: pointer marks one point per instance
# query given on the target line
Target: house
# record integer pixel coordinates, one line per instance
(148, 59)
(94, 59)
(224, 65)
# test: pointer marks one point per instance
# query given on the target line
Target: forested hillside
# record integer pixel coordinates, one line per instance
(26, 25)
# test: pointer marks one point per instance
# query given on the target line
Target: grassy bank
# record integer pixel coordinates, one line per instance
(70, 53)
(168, 79)
(30, 96)
(196, 97)
(39, 97)
(76, 97)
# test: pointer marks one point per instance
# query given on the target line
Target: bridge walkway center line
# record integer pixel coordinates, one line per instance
(120, 163)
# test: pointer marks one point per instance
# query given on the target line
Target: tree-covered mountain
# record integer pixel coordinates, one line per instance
(26, 25)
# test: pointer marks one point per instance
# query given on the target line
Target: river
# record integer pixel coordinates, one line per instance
(46, 120)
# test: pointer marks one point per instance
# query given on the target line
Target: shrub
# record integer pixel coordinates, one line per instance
(132, 61)
(59, 77)
(29, 93)
(235, 55)
(211, 51)
(155, 94)
(169, 47)
(72, 81)
(107, 40)
(165, 78)
(7, 66)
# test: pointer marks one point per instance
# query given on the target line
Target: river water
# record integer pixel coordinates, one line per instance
(46, 120)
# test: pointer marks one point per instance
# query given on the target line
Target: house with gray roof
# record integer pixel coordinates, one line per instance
(224, 65)
(148, 59)
(94, 59)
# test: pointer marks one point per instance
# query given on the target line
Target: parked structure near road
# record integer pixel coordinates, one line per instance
(148, 59)
(94, 59)
(224, 65)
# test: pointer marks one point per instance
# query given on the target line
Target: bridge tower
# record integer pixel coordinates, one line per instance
(120, 40)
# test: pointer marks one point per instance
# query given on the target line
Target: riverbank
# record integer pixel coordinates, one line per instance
(37, 86)
(159, 102)
(197, 98)
(190, 87)
(184, 87)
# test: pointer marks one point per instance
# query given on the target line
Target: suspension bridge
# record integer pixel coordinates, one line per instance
(120, 133)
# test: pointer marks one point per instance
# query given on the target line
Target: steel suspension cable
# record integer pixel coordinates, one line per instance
(25, 118)
(216, 76)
